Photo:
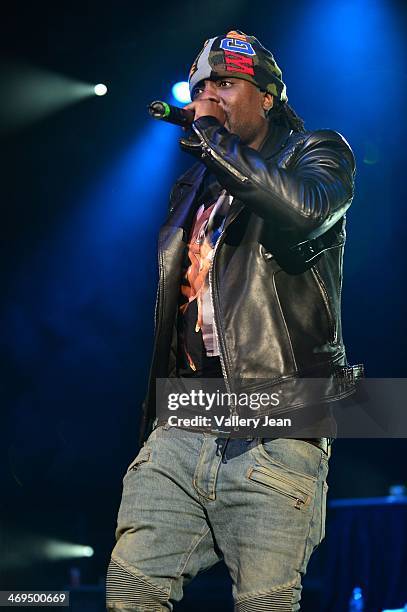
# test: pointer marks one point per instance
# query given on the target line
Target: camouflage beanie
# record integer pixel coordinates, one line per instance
(242, 57)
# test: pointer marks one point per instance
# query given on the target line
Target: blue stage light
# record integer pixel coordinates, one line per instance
(180, 91)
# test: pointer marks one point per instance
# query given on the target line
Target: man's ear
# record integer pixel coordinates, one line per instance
(268, 101)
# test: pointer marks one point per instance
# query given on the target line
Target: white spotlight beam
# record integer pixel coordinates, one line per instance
(30, 93)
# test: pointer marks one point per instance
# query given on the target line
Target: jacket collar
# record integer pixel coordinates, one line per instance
(276, 139)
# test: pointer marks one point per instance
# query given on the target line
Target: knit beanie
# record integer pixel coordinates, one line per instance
(242, 57)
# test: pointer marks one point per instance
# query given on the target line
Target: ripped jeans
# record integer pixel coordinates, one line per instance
(191, 499)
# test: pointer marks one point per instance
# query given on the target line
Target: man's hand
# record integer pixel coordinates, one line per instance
(205, 108)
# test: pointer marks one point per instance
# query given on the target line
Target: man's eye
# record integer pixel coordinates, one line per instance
(224, 83)
(197, 92)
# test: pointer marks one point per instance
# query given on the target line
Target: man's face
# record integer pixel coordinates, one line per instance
(241, 101)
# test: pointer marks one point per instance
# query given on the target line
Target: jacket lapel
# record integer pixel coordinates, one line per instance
(182, 207)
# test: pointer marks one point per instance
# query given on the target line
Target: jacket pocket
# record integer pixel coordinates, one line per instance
(272, 479)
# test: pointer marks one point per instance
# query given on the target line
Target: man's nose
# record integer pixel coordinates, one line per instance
(210, 92)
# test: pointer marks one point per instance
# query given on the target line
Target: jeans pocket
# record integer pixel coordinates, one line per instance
(297, 458)
(143, 456)
(273, 478)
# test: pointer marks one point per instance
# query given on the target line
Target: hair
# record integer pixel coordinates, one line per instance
(282, 114)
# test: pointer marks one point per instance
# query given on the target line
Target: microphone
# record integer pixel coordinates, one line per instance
(172, 114)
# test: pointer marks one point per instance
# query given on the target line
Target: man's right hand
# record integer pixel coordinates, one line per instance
(206, 107)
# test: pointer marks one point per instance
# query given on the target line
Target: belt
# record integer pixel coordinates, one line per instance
(323, 444)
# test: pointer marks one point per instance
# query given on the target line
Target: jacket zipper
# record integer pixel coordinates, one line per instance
(156, 306)
(324, 294)
(215, 326)
(233, 410)
(157, 298)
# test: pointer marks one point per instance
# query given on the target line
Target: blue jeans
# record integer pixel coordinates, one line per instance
(191, 499)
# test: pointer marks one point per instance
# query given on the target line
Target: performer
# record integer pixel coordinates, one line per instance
(250, 265)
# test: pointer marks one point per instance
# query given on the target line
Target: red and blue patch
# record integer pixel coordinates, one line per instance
(238, 55)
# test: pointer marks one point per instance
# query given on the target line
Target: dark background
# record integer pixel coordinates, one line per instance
(84, 190)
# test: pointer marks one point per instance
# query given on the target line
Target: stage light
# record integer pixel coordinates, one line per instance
(180, 91)
(55, 550)
(28, 548)
(30, 93)
(100, 89)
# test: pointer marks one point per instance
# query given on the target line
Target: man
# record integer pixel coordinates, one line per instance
(250, 281)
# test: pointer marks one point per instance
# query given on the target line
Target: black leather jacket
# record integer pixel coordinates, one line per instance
(276, 276)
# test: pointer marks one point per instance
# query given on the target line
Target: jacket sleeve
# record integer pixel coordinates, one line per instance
(303, 192)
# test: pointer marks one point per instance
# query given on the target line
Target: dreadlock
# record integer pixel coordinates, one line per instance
(282, 114)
